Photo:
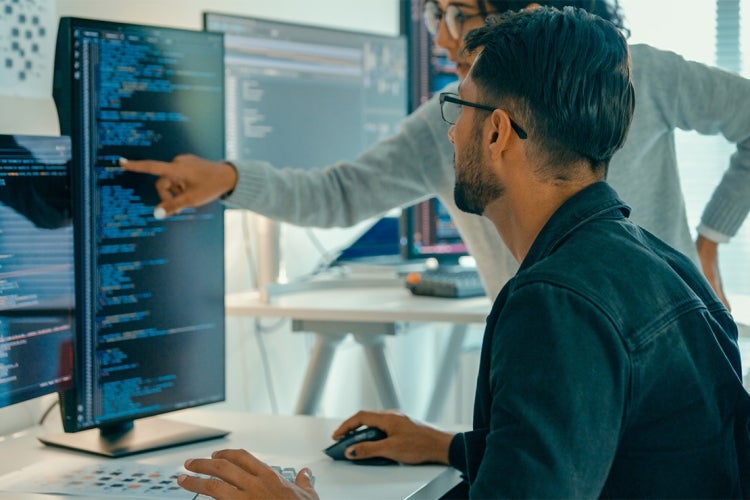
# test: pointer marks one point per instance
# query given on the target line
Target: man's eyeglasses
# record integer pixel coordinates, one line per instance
(454, 18)
(450, 108)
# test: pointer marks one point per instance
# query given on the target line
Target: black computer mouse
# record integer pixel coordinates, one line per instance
(337, 449)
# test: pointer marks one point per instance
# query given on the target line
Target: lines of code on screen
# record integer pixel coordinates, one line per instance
(332, 92)
(36, 268)
(154, 289)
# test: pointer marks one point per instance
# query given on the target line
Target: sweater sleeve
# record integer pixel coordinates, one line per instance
(395, 172)
(706, 99)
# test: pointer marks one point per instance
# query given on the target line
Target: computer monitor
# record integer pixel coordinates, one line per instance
(149, 292)
(427, 230)
(36, 268)
(330, 93)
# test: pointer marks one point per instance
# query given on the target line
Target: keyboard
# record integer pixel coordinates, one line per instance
(446, 282)
(288, 473)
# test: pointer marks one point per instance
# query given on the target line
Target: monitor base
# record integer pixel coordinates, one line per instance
(147, 434)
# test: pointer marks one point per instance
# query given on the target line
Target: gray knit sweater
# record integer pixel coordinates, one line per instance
(417, 163)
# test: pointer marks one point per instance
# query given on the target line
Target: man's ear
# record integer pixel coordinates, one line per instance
(499, 132)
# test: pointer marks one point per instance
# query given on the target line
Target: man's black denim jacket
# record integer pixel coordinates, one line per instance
(608, 368)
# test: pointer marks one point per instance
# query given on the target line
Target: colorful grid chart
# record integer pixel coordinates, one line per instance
(104, 479)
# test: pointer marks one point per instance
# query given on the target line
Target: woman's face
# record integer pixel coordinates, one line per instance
(451, 20)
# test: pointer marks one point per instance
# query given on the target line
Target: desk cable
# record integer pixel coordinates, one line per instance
(48, 411)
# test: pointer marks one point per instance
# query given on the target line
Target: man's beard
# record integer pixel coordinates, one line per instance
(476, 185)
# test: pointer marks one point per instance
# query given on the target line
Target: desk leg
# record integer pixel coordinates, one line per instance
(317, 372)
(374, 346)
(446, 371)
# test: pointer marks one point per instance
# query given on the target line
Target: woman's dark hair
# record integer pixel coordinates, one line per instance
(606, 9)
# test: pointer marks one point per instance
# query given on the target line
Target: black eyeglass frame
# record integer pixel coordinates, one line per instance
(453, 98)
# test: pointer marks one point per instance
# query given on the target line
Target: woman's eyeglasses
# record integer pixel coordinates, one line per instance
(454, 18)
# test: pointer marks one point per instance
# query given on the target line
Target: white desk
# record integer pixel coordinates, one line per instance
(291, 441)
(339, 308)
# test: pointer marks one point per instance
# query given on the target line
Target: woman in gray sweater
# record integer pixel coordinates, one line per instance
(417, 163)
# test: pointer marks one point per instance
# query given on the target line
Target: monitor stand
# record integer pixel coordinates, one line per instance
(146, 434)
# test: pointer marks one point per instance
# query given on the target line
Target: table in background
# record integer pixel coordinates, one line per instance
(369, 310)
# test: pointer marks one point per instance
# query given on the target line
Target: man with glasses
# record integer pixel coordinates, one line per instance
(417, 162)
(608, 368)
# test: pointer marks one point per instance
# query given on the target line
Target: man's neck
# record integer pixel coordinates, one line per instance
(520, 214)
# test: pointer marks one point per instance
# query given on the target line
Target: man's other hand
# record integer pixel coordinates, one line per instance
(238, 475)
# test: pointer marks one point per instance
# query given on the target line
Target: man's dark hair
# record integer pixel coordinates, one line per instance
(564, 75)
(606, 9)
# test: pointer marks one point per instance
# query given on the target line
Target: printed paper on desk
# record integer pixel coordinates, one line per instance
(86, 477)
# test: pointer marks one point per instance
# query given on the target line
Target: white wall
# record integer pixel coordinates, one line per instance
(37, 115)
(287, 353)
(380, 17)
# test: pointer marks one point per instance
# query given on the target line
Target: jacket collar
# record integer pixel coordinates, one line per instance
(592, 202)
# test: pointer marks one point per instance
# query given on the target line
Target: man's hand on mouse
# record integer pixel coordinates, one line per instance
(407, 442)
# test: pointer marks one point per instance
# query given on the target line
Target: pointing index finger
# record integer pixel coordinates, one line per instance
(153, 167)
